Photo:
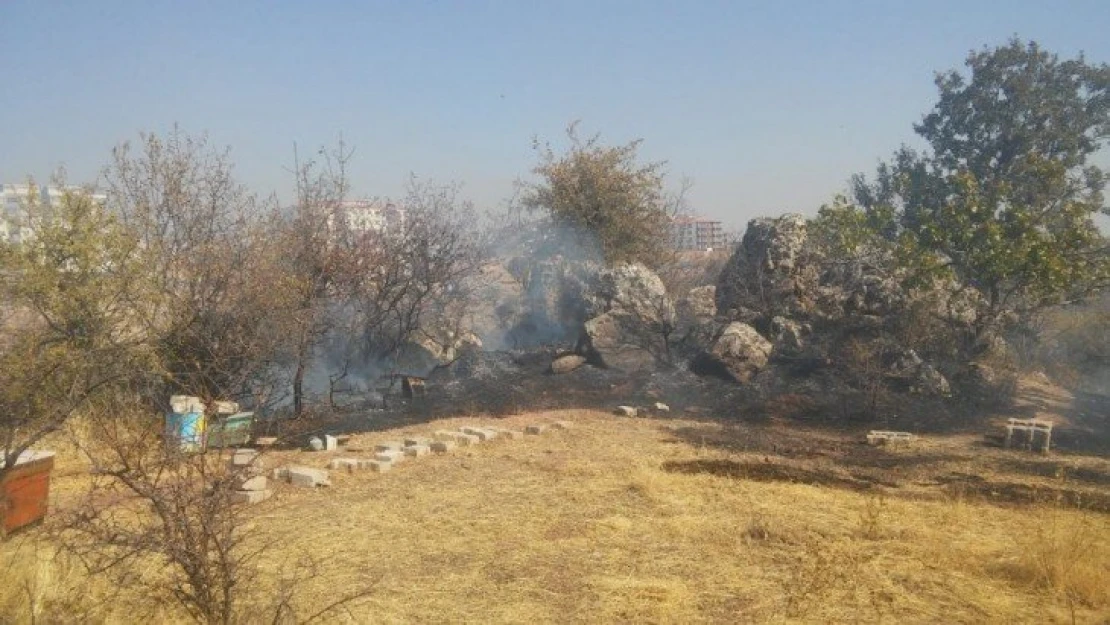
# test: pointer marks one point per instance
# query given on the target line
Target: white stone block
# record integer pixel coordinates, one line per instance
(377, 466)
(415, 451)
(250, 496)
(350, 464)
(331, 443)
(308, 477)
(483, 434)
(258, 482)
(443, 446)
(464, 439)
(625, 411)
(392, 455)
(243, 457)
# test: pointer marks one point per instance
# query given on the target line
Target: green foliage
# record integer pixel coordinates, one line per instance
(604, 195)
(1005, 199)
(69, 326)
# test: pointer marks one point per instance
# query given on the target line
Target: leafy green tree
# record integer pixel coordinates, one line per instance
(604, 196)
(70, 320)
(1004, 199)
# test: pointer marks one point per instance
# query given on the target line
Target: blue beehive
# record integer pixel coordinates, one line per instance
(185, 423)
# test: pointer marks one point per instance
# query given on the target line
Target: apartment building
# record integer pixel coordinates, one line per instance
(690, 233)
(369, 216)
(17, 223)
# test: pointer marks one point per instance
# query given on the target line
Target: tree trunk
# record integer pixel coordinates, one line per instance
(298, 386)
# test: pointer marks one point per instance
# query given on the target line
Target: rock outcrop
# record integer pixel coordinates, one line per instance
(923, 378)
(698, 308)
(632, 318)
(766, 272)
(736, 351)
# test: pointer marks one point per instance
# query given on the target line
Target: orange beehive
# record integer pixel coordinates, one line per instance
(24, 490)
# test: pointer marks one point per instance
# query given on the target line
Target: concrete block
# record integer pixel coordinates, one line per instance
(389, 446)
(661, 407)
(415, 451)
(464, 439)
(535, 429)
(625, 411)
(266, 441)
(331, 443)
(391, 455)
(350, 464)
(377, 466)
(258, 482)
(243, 457)
(280, 474)
(443, 446)
(250, 496)
(483, 434)
(308, 477)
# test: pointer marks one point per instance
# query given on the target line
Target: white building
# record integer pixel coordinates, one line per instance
(693, 233)
(370, 216)
(16, 202)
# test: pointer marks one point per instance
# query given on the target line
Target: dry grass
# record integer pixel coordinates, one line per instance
(589, 525)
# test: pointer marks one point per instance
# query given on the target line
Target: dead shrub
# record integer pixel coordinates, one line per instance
(873, 516)
(1066, 556)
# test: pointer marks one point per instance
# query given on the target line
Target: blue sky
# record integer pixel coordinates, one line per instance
(766, 106)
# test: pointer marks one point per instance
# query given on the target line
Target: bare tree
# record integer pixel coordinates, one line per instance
(318, 247)
(152, 500)
(218, 296)
(415, 277)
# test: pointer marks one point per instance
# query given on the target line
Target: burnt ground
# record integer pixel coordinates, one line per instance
(805, 436)
(967, 464)
(507, 382)
(934, 467)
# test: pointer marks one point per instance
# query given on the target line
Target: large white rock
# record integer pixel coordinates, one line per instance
(631, 317)
(740, 351)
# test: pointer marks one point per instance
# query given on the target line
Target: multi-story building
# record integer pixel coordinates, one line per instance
(369, 216)
(694, 233)
(17, 201)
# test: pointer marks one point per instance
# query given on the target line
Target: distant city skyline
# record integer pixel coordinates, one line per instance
(767, 107)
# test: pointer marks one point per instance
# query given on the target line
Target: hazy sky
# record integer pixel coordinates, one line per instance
(765, 106)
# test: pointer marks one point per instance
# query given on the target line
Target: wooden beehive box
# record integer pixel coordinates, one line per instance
(24, 491)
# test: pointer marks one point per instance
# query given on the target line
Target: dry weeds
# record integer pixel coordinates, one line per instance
(586, 525)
